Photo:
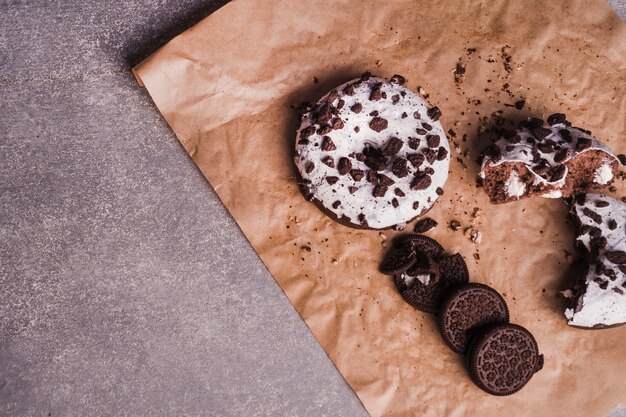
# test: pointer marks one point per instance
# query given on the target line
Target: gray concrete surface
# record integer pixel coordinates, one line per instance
(125, 287)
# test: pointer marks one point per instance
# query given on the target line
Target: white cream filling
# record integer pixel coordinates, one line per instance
(514, 186)
(553, 194)
(603, 175)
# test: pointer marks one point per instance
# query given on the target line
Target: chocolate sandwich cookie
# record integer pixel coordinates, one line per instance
(599, 300)
(503, 358)
(466, 308)
(399, 259)
(421, 243)
(552, 159)
(372, 154)
(425, 294)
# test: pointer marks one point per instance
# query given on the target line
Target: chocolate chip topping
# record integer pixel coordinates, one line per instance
(434, 113)
(357, 174)
(399, 192)
(329, 161)
(416, 159)
(414, 143)
(616, 257)
(310, 166)
(380, 190)
(376, 92)
(328, 144)
(397, 79)
(425, 225)
(392, 147)
(332, 180)
(344, 166)
(394, 202)
(442, 153)
(582, 144)
(556, 118)
(400, 168)
(357, 108)
(433, 141)
(421, 181)
(378, 124)
(592, 215)
(430, 155)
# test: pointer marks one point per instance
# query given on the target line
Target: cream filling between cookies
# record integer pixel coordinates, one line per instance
(603, 175)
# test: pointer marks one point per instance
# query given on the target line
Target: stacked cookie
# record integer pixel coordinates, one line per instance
(473, 318)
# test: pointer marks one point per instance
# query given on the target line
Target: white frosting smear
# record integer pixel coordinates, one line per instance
(603, 174)
(604, 299)
(514, 186)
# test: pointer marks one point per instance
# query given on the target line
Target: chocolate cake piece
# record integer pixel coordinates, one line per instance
(599, 301)
(551, 160)
(368, 162)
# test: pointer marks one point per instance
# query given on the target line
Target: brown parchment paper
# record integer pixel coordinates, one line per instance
(225, 87)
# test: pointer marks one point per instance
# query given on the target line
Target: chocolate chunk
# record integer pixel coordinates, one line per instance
(427, 126)
(394, 202)
(404, 115)
(380, 190)
(612, 224)
(616, 257)
(503, 358)
(336, 204)
(421, 131)
(566, 135)
(399, 192)
(540, 132)
(429, 170)
(622, 158)
(580, 199)
(340, 104)
(400, 168)
(349, 90)
(324, 114)
(352, 189)
(541, 169)
(416, 115)
(556, 118)
(307, 131)
(416, 159)
(439, 191)
(372, 177)
(602, 203)
(545, 147)
(366, 75)
(332, 180)
(442, 153)
(332, 96)
(515, 139)
(594, 231)
(362, 220)
(558, 172)
(395, 98)
(328, 144)
(425, 225)
(466, 308)
(433, 141)
(357, 129)
(421, 181)
(329, 161)
(338, 124)
(416, 205)
(434, 113)
(430, 155)
(560, 156)
(303, 142)
(357, 107)
(397, 79)
(310, 166)
(357, 174)
(378, 124)
(582, 144)
(374, 113)
(385, 180)
(519, 105)
(592, 215)
(414, 143)
(324, 130)
(376, 92)
(344, 166)
(392, 147)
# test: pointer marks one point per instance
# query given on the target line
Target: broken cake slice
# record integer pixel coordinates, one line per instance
(600, 299)
(552, 160)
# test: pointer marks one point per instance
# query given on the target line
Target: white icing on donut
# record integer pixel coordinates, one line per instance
(522, 151)
(604, 299)
(377, 212)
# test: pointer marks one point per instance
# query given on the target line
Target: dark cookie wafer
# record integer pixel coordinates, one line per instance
(398, 259)
(428, 298)
(424, 265)
(466, 308)
(503, 358)
(421, 243)
(454, 269)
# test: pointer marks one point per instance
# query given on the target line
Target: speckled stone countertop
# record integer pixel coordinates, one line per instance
(126, 287)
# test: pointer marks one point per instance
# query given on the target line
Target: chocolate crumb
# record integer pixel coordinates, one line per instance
(344, 166)
(400, 168)
(414, 143)
(454, 225)
(352, 189)
(357, 174)
(332, 180)
(336, 204)
(519, 105)
(416, 205)
(399, 192)
(310, 166)
(592, 215)
(392, 147)
(556, 118)
(356, 108)
(397, 79)
(433, 141)
(434, 113)
(439, 191)
(583, 143)
(378, 124)
(425, 225)
(328, 144)
(380, 190)
(329, 161)
(394, 202)
(421, 181)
